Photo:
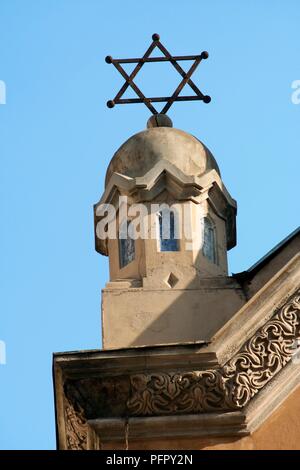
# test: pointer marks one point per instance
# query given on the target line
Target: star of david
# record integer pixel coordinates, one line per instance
(186, 78)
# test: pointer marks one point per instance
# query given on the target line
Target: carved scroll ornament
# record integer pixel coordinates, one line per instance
(230, 387)
(76, 428)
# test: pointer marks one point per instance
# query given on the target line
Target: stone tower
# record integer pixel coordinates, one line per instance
(166, 289)
(192, 357)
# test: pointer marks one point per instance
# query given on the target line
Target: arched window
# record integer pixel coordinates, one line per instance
(166, 223)
(209, 242)
(126, 245)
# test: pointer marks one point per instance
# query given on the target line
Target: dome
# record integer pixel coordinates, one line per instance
(142, 151)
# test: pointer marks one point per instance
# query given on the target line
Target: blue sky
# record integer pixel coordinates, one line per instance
(57, 137)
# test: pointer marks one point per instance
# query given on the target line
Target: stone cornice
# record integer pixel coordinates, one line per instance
(127, 185)
(184, 426)
(165, 175)
(187, 380)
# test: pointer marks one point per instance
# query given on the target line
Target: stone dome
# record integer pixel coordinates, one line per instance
(142, 151)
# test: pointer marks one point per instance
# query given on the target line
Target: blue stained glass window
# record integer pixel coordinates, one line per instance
(167, 240)
(209, 248)
(126, 246)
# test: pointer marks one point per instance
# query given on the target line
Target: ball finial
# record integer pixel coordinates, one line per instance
(159, 120)
(204, 55)
(206, 99)
(110, 104)
(108, 59)
(155, 37)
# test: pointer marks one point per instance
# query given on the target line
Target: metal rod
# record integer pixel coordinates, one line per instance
(180, 86)
(155, 59)
(178, 68)
(135, 71)
(158, 99)
(135, 88)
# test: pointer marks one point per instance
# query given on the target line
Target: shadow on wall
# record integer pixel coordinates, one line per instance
(146, 316)
(192, 314)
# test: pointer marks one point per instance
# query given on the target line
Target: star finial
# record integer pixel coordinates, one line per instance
(186, 78)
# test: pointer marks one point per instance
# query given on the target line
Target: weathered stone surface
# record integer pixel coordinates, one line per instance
(105, 396)
(156, 166)
(137, 317)
(279, 431)
(142, 151)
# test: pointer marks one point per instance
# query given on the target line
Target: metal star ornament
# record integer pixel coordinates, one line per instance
(186, 78)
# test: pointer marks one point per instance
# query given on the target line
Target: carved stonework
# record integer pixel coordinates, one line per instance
(230, 387)
(172, 392)
(76, 428)
(191, 392)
